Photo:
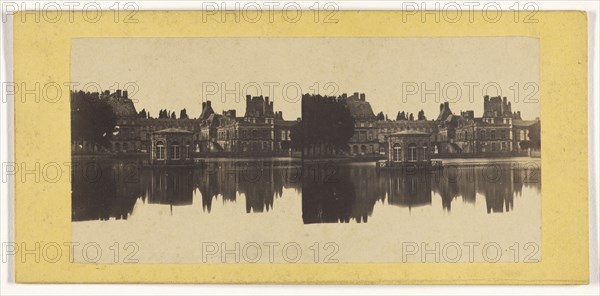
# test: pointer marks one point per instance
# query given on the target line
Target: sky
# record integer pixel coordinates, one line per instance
(395, 73)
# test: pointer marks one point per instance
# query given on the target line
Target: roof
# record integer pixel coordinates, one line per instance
(287, 123)
(525, 123)
(411, 132)
(360, 109)
(444, 112)
(123, 107)
(404, 123)
(172, 131)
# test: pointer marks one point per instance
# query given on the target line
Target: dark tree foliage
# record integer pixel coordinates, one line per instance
(421, 115)
(380, 116)
(535, 136)
(326, 124)
(401, 116)
(411, 117)
(163, 113)
(183, 114)
(92, 119)
(173, 116)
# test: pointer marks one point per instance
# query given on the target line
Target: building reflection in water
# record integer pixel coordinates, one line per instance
(330, 193)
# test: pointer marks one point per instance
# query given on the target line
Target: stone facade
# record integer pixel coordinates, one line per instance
(498, 131)
(262, 130)
(409, 146)
(259, 130)
(365, 139)
(492, 133)
(171, 146)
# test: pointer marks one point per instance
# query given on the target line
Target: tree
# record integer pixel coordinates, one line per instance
(183, 114)
(173, 116)
(326, 125)
(411, 117)
(401, 116)
(421, 115)
(535, 136)
(92, 119)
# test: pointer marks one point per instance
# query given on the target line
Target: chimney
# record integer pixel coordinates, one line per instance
(344, 96)
(203, 106)
(356, 95)
(125, 94)
(118, 93)
(446, 105)
(208, 104)
(267, 100)
(362, 97)
(441, 107)
(504, 100)
(248, 98)
(486, 98)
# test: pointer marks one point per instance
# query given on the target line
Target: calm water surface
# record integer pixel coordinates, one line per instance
(350, 213)
(330, 192)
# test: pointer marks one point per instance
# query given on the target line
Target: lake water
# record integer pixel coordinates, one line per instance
(276, 210)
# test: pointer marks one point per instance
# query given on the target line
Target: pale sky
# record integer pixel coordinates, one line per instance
(176, 73)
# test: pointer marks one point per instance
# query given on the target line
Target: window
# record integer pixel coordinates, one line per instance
(503, 146)
(397, 152)
(493, 146)
(174, 151)
(493, 135)
(412, 152)
(160, 151)
(187, 151)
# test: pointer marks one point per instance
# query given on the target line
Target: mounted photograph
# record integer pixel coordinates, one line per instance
(307, 149)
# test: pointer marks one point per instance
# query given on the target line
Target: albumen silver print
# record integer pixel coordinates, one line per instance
(307, 149)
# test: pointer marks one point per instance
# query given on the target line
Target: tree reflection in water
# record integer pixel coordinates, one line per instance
(331, 193)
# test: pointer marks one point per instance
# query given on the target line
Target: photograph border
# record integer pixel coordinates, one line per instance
(42, 209)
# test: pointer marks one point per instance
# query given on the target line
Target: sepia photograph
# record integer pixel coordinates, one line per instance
(307, 149)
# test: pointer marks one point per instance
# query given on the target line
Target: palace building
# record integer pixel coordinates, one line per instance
(260, 130)
(499, 130)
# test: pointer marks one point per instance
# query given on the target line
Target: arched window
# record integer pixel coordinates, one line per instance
(412, 152)
(174, 151)
(160, 150)
(397, 152)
